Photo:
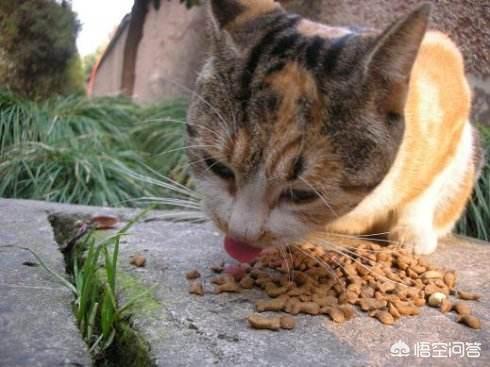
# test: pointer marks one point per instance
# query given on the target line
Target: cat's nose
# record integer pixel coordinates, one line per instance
(246, 226)
(245, 235)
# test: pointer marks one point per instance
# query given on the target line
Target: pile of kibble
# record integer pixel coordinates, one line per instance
(386, 282)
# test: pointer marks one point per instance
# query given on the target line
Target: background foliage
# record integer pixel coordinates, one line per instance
(88, 151)
(47, 62)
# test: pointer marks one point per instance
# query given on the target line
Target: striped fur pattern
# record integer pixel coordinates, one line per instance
(297, 128)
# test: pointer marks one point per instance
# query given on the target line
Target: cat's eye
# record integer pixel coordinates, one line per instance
(299, 196)
(219, 169)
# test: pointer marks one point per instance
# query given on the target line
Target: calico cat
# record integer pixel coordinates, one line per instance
(299, 128)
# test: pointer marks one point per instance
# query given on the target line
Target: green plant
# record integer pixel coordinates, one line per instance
(476, 220)
(37, 46)
(94, 274)
(103, 151)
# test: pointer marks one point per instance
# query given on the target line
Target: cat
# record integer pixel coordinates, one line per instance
(299, 128)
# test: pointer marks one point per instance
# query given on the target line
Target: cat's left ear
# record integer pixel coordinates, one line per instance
(229, 16)
(391, 59)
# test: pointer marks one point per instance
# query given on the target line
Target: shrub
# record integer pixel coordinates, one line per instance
(102, 151)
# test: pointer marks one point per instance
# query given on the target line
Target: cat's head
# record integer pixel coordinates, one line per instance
(294, 123)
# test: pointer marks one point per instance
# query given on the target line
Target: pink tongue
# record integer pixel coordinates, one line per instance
(241, 251)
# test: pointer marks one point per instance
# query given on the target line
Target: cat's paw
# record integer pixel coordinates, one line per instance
(419, 241)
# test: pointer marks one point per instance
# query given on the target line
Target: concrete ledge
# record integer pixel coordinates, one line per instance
(211, 330)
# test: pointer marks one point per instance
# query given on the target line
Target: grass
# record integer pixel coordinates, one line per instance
(476, 220)
(94, 285)
(90, 151)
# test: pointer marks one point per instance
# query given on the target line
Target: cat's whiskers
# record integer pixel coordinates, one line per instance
(222, 138)
(322, 197)
(362, 238)
(174, 202)
(334, 248)
(184, 148)
(321, 262)
(283, 253)
(166, 183)
(204, 100)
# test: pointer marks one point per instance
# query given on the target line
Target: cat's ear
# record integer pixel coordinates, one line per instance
(391, 59)
(224, 12)
(228, 15)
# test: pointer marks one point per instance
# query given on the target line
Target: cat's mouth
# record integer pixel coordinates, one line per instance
(241, 251)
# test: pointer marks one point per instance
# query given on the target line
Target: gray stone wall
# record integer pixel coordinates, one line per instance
(108, 78)
(170, 53)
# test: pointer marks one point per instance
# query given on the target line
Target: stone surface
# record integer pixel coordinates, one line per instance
(37, 327)
(211, 330)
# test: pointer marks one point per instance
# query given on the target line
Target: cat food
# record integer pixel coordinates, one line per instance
(385, 282)
(138, 260)
(287, 322)
(470, 320)
(462, 309)
(259, 322)
(227, 287)
(446, 306)
(194, 274)
(196, 288)
(468, 296)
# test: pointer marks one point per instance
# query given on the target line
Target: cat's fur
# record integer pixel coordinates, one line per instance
(297, 127)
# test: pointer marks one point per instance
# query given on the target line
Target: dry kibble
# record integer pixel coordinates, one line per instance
(310, 308)
(468, 296)
(222, 279)
(386, 282)
(273, 291)
(406, 309)
(435, 299)
(218, 269)
(385, 317)
(348, 311)
(277, 304)
(138, 260)
(368, 304)
(194, 274)
(247, 282)
(446, 306)
(450, 279)
(196, 288)
(386, 287)
(393, 311)
(432, 274)
(335, 314)
(462, 308)
(228, 287)
(470, 320)
(287, 322)
(259, 322)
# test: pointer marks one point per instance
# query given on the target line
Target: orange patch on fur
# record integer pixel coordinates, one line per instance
(447, 214)
(254, 9)
(292, 83)
(433, 126)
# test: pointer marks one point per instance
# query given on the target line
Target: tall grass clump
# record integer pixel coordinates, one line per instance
(476, 221)
(102, 151)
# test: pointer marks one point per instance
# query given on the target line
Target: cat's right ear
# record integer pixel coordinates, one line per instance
(391, 59)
